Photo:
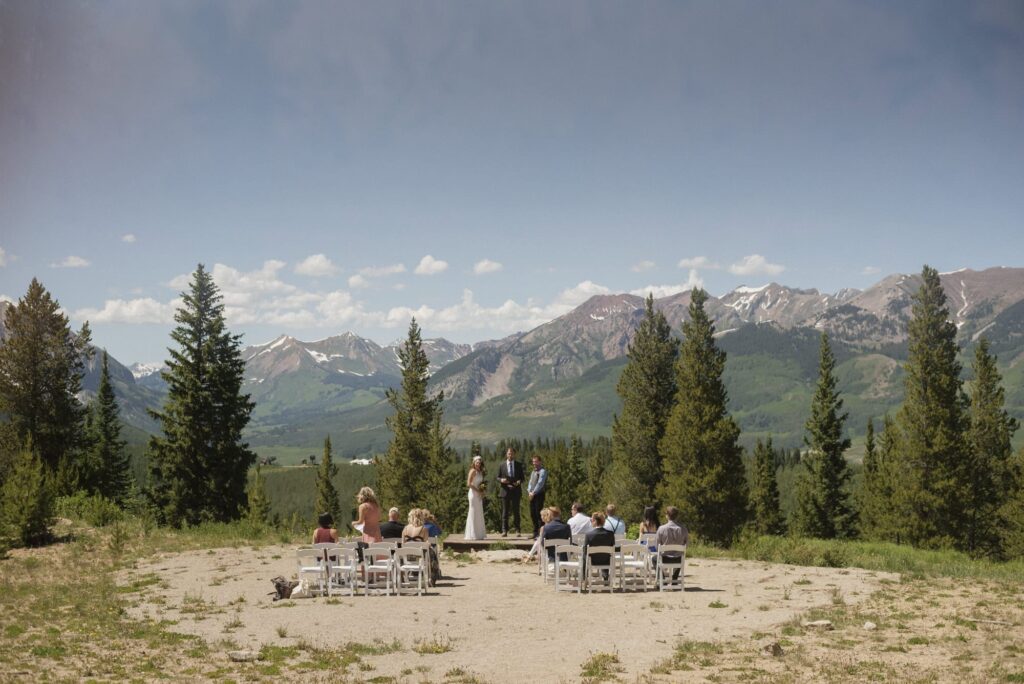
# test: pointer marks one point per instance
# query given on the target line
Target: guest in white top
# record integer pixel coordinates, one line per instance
(579, 523)
(613, 523)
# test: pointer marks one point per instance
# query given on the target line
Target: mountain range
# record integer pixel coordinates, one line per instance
(560, 377)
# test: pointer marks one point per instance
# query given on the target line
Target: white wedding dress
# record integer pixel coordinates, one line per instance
(475, 517)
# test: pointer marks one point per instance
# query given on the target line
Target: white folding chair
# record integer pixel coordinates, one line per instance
(343, 571)
(668, 566)
(411, 569)
(310, 568)
(634, 566)
(600, 576)
(547, 567)
(379, 567)
(569, 569)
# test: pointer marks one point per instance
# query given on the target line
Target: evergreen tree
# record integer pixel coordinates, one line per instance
(41, 368)
(932, 426)
(989, 470)
(764, 494)
(444, 493)
(108, 464)
(647, 388)
(1012, 514)
(258, 511)
(703, 467)
(871, 501)
(326, 494)
(823, 509)
(26, 504)
(199, 465)
(566, 475)
(399, 472)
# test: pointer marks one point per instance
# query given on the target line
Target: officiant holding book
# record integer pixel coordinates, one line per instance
(510, 477)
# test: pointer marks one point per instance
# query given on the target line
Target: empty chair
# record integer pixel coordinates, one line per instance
(311, 569)
(411, 569)
(343, 571)
(569, 566)
(379, 568)
(600, 568)
(671, 557)
(634, 566)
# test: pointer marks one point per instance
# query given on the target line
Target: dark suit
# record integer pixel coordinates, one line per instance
(511, 494)
(556, 529)
(391, 530)
(599, 537)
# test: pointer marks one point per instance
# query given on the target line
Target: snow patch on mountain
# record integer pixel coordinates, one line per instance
(143, 369)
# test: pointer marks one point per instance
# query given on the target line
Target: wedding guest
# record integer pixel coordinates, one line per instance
(672, 533)
(392, 529)
(368, 518)
(545, 516)
(599, 535)
(613, 524)
(649, 525)
(432, 526)
(325, 532)
(556, 529)
(416, 530)
(579, 523)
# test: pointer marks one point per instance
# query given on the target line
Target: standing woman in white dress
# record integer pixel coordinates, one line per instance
(475, 527)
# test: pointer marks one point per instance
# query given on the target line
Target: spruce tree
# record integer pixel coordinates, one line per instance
(400, 471)
(108, 460)
(647, 388)
(871, 501)
(26, 502)
(199, 464)
(1012, 513)
(989, 469)
(566, 476)
(702, 460)
(258, 510)
(326, 493)
(42, 363)
(764, 492)
(444, 494)
(823, 509)
(932, 426)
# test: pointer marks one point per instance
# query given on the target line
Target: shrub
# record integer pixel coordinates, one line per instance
(92, 509)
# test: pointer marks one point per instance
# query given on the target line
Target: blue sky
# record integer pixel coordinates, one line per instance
(570, 148)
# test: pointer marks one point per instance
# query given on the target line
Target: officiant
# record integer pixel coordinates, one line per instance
(510, 477)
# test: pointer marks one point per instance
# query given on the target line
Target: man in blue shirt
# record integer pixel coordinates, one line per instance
(536, 488)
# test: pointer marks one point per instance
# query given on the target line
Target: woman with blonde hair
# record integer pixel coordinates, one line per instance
(416, 530)
(368, 521)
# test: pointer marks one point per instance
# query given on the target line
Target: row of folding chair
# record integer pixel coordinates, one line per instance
(385, 567)
(630, 566)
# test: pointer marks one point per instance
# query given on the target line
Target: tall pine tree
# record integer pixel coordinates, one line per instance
(199, 464)
(326, 493)
(989, 469)
(258, 510)
(764, 492)
(871, 495)
(566, 476)
(108, 460)
(400, 473)
(647, 388)
(703, 467)
(444, 494)
(931, 445)
(42, 363)
(823, 509)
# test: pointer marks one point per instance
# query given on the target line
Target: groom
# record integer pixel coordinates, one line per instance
(510, 476)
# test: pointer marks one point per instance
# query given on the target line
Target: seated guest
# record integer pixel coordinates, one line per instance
(545, 516)
(649, 525)
(612, 523)
(325, 532)
(416, 530)
(673, 533)
(432, 526)
(579, 523)
(392, 529)
(599, 536)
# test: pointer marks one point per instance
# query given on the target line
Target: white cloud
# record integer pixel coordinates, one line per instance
(642, 266)
(430, 266)
(3, 257)
(381, 271)
(357, 282)
(316, 265)
(698, 262)
(128, 237)
(70, 262)
(871, 270)
(575, 296)
(660, 291)
(486, 266)
(142, 310)
(755, 264)
(5, 298)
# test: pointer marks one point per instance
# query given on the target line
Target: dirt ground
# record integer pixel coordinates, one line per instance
(493, 619)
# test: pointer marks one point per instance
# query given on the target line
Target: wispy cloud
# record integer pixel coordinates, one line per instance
(430, 266)
(486, 266)
(3, 257)
(699, 262)
(870, 270)
(316, 265)
(358, 282)
(128, 237)
(142, 310)
(642, 266)
(755, 264)
(381, 271)
(70, 262)
(659, 291)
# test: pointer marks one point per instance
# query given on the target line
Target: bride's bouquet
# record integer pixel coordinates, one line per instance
(483, 487)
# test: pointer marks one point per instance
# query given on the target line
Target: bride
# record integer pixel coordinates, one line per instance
(475, 528)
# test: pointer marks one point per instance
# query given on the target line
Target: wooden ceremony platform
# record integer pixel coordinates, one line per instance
(457, 543)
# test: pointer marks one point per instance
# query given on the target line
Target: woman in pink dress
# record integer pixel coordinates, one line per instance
(369, 515)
